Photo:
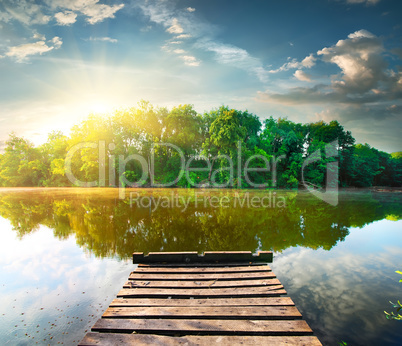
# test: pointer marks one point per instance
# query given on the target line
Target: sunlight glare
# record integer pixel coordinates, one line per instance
(99, 107)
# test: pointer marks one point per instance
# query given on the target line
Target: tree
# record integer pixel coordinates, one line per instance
(365, 165)
(89, 138)
(53, 154)
(225, 133)
(20, 165)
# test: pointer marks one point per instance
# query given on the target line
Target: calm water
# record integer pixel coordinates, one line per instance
(65, 253)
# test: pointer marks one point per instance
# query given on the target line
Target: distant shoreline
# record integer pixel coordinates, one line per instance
(341, 189)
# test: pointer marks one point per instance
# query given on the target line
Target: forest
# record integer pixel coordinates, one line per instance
(207, 143)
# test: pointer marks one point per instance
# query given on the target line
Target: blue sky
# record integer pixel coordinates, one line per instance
(304, 60)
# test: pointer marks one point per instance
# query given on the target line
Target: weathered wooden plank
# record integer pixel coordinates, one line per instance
(199, 327)
(275, 290)
(199, 264)
(208, 256)
(261, 301)
(200, 284)
(196, 277)
(202, 270)
(202, 299)
(220, 312)
(92, 339)
(104, 339)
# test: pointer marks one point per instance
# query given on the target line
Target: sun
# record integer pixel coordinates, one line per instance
(99, 107)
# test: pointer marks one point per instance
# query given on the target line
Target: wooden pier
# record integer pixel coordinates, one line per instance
(183, 298)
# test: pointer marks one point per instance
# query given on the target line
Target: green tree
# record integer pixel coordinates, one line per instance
(365, 165)
(21, 164)
(53, 154)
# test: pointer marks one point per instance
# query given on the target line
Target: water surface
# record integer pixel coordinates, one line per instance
(65, 253)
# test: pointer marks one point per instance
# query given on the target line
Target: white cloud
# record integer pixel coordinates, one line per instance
(29, 12)
(177, 22)
(179, 51)
(5, 17)
(66, 18)
(57, 42)
(26, 12)
(360, 59)
(23, 51)
(367, 2)
(307, 62)
(104, 39)
(236, 57)
(301, 75)
(190, 9)
(364, 75)
(361, 33)
(364, 91)
(95, 11)
(157, 12)
(190, 60)
(175, 27)
(37, 36)
(228, 54)
(183, 36)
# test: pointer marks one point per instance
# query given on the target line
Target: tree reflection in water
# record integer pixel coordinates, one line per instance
(107, 226)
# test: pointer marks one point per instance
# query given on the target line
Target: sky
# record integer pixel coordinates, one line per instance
(307, 61)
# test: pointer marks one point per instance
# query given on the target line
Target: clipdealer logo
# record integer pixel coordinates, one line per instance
(330, 195)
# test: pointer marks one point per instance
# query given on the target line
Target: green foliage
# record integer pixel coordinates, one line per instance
(399, 272)
(391, 315)
(274, 151)
(108, 226)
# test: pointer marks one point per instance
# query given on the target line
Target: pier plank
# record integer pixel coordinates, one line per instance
(211, 276)
(260, 301)
(191, 299)
(92, 339)
(243, 312)
(200, 284)
(208, 256)
(212, 292)
(199, 326)
(201, 270)
(201, 264)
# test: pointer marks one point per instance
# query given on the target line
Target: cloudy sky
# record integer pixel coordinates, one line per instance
(304, 60)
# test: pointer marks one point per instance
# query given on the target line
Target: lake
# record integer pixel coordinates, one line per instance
(65, 253)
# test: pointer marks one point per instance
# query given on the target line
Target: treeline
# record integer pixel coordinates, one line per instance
(215, 147)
